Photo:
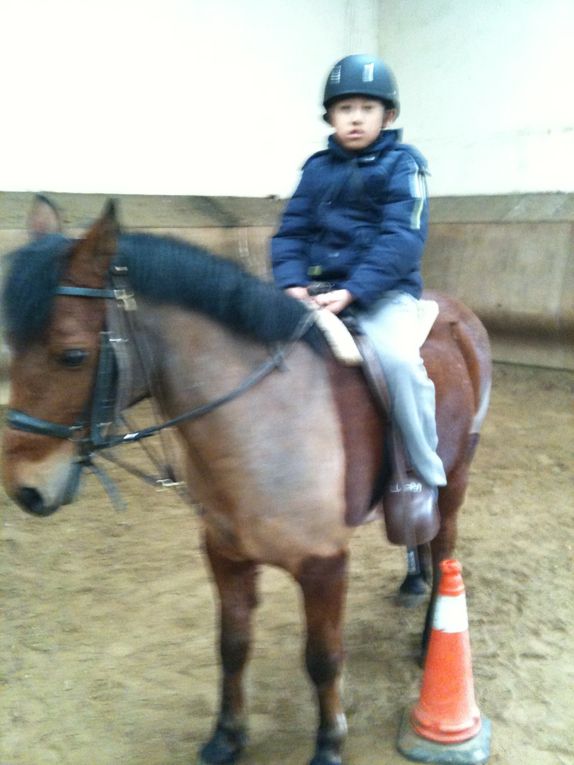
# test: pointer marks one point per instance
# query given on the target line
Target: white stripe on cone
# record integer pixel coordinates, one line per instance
(450, 613)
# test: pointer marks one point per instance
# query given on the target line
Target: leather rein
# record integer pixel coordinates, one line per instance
(91, 432)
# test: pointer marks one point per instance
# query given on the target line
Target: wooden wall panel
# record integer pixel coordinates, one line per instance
(510, 258)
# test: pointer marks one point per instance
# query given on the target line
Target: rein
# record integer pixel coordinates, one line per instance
(89, 431)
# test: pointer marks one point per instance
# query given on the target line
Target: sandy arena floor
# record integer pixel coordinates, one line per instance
(107, 636)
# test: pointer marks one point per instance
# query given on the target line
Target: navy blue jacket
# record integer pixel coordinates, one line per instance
(357, 219)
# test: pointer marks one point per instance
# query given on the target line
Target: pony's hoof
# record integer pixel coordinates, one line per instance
(329, 742)
(412, 592)
(326, 758)
(408, 600)
(223, 748)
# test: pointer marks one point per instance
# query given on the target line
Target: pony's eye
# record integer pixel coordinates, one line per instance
(74, 357)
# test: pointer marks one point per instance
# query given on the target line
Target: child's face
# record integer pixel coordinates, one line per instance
(358, 121)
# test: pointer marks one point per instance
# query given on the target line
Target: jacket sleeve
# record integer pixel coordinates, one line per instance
(289, 246)
(395, 255)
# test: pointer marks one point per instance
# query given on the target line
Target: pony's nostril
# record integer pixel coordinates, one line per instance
(31, 501)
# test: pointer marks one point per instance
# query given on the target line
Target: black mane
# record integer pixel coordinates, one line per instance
(162, 269)
(34, 272)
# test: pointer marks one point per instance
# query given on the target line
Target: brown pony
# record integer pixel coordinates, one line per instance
(283, 446)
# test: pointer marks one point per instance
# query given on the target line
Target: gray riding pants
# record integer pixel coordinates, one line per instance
(392, 326)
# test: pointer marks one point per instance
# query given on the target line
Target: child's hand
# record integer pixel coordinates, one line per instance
(299, 293)
(335, 301)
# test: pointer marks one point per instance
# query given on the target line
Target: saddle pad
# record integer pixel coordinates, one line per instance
(428, 311)
(343, 344)
(340, 340)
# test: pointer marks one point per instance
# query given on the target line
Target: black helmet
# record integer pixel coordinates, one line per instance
(361, 75)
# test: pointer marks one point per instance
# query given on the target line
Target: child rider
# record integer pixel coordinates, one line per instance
(358, 220)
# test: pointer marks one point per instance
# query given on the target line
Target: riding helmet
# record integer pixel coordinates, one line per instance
(361, 75)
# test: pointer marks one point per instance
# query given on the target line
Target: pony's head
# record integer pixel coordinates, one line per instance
(54, 341)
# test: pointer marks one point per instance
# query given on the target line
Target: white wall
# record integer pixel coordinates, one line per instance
(168, 96)
(487, 90)
(223, 96)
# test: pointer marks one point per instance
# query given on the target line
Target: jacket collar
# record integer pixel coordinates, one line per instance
(386, 139)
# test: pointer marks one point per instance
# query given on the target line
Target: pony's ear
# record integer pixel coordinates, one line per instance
(91, 258)
(43, 218)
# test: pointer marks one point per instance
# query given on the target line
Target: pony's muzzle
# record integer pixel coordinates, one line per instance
(39, 486)
(32, 502)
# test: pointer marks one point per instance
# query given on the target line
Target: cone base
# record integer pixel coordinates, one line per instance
(475, 751)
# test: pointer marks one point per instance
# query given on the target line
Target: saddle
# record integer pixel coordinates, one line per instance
(409, 506)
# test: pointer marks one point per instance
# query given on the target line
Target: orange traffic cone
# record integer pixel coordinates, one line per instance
(445, 726)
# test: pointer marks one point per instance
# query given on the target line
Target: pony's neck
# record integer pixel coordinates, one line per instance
(191, 359)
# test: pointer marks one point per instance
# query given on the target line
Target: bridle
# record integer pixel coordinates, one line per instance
(92, 433)
(94, 439)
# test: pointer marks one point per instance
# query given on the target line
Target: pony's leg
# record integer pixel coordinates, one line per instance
(236, 584)
(450, 500)
(415, 586)
(324, 584)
